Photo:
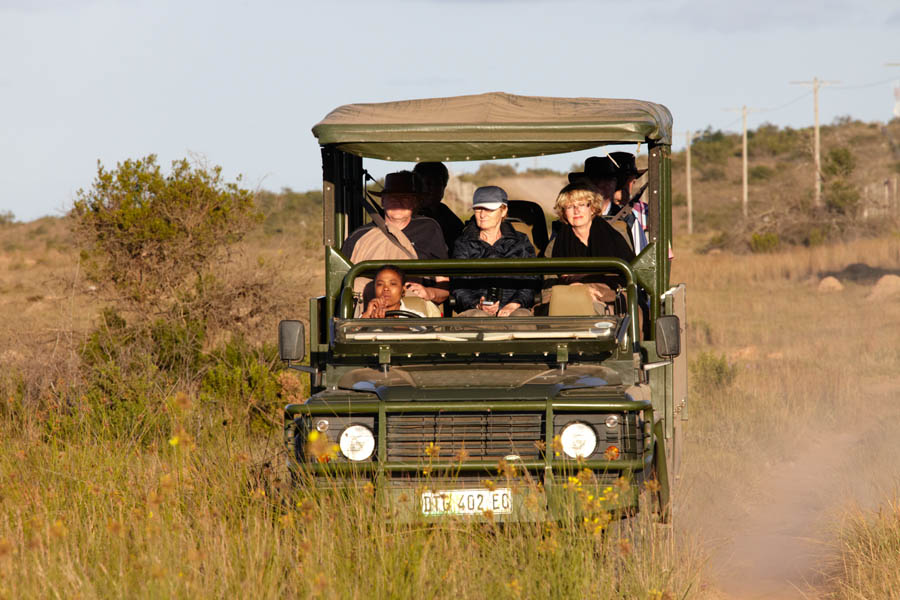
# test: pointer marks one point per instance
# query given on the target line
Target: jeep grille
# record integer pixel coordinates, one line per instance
(484, 436)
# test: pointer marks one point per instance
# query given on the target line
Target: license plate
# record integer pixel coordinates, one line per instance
(467, 502)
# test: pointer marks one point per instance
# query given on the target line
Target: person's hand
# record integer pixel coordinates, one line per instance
(601, 292)
(490, 309)
(508, 309)
(417, 289)
(375, 310)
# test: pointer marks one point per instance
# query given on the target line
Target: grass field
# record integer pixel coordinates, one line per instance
(787, 478)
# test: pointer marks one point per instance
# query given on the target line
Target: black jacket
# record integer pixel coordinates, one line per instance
(512, 244)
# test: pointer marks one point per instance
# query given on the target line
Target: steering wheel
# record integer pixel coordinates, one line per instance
(402, 313)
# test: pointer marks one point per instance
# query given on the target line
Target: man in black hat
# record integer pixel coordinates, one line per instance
(400, 235)
(627, 175)
(434, 177)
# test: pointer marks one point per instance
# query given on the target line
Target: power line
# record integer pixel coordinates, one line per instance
(866, 85)
(786, 104)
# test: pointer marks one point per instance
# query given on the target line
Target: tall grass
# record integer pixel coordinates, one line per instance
(869, 562)
(208, 513)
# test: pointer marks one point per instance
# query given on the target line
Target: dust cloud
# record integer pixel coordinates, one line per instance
(769, 513)
(783, 545)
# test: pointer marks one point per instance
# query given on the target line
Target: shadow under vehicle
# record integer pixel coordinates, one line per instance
(428, 410)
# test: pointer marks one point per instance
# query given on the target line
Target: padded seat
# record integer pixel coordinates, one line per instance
(528, 217)
(571, 301)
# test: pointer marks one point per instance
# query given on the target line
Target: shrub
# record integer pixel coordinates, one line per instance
(764, 242)
(289, 210)
(839, 162)
(487, 172)
(7, 218)
(768, 140)
(244, 379)
(679, 200)
(760, 173)
(151, 236)
(711, 371)
(714, 146)
(712, 174)
(816, 237)
(841, 197)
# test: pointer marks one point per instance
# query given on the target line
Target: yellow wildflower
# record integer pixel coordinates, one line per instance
(432, 450)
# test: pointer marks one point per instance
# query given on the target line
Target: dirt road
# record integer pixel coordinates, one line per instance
(781, 545)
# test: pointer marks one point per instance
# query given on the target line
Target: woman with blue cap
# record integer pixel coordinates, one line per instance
(489, 235)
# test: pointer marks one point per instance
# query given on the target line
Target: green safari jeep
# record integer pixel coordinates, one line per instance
(468, 416)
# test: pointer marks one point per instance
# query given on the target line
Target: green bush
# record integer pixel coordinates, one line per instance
(244, 379)
(487, 172)
(289, 210)
(764, 242)
(760, 173)
(815, 237)
(711, 371)
(714, 146)
(543, 172)
(679, 200)
(712, 174)
(7, 218)
(769, 140)
(841, 197)
(152, 236)
(839, 162)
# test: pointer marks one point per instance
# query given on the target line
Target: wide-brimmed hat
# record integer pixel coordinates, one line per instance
(490, 197)
(627, 166)
(617, 165)
(404, 183)
(596, 167)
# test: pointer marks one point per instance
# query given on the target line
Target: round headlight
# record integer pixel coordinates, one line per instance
(357, 442)
(578, 440)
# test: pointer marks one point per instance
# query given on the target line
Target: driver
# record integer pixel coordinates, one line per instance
(390, 285)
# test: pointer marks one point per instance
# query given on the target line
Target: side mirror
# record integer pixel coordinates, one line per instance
(668, 336)
(291, 341)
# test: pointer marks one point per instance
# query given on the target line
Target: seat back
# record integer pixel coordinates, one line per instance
(528, 217)
(571, 301)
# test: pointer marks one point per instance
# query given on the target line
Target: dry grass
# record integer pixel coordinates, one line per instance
(809, 369)
(211, 515)
(205, 510)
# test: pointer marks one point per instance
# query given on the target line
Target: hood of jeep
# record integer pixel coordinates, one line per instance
(463, 382)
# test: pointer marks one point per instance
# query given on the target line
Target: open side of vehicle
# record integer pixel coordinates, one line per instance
(429, 410)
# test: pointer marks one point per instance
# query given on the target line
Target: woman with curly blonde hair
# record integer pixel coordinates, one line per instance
(584, 232)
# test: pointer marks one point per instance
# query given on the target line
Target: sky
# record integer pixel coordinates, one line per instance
(240, 84)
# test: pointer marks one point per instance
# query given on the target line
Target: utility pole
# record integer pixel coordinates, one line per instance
(816, 83)
(744, 110)
(689, 138)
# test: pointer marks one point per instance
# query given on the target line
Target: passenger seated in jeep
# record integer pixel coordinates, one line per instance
(400, 236)
(489, 236)
(584, 232)
(390, 285)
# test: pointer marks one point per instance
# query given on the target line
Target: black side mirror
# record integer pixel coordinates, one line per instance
(668, 336)
(291, 341)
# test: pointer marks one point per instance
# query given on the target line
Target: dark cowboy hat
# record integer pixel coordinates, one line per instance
(627, 167)
(596, 167)
(404, 183)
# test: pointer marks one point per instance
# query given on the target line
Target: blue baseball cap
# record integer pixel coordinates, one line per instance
(490, 197)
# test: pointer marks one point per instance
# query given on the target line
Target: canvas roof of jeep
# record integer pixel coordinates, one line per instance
(489, 126)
